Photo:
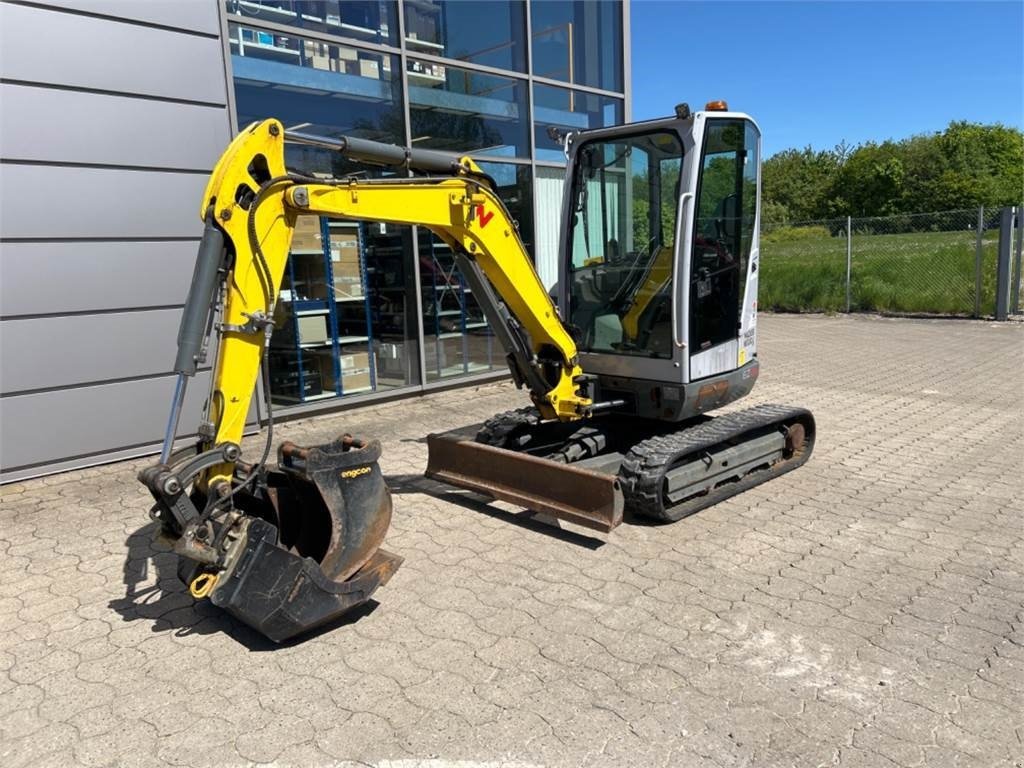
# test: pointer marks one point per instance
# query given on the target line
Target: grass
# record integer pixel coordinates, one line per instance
(918, 272)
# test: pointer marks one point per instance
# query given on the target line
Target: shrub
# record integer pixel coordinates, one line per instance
(793, 234)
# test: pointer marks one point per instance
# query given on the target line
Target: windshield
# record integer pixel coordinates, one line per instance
(621, 250)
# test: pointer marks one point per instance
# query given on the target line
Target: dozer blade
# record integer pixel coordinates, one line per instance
(590, 499)
(307, 549)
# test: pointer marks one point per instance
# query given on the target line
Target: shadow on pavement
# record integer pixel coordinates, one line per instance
(532, 521)
(154, 593)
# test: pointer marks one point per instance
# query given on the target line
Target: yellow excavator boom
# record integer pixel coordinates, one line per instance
(256, 203)
(289, 548)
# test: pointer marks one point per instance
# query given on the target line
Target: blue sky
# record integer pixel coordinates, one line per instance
(820, 72)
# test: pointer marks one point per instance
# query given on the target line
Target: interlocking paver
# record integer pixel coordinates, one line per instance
(867, 609)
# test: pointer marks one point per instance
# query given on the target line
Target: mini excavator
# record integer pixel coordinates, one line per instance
(651, 325)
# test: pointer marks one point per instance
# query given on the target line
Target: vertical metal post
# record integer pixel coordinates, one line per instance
(1003, 264)
(977, 261)
(1015, 284)
(420, 340)
(849, 259)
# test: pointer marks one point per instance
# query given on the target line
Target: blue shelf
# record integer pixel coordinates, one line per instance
(308, 307)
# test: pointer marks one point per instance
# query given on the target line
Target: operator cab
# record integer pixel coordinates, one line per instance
(658, 274)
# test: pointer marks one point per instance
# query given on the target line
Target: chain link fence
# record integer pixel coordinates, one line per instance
(929, 263)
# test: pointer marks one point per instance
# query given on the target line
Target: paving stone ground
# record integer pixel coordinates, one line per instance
(865, 610)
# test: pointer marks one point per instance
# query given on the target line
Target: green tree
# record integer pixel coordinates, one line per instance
(870, 183)
(964, 166)
(797, 183)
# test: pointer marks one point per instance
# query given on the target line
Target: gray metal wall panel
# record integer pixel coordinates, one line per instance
(193, 15)
(110, 130)
(99, 203)
(128, 95)
(47, 426)
(44, 46)
(50, 352)
(52, 278)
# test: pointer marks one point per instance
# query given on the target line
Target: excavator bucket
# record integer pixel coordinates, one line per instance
(306, 549)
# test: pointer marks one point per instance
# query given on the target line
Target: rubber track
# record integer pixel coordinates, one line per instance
(646, 464)
(497, 429)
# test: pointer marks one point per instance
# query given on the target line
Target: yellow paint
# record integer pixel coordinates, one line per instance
(202, 585)
(469, 218)
(460, 210)
(239, 355)
(658, 276)
(350, 473)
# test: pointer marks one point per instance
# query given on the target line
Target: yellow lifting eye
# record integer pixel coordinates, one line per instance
(202, 585)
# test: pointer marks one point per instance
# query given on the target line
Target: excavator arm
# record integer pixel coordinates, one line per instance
(466, 213)
(250, 207)
(315, 524)
(257, 202)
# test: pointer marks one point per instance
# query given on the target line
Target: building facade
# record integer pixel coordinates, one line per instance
(365, 311)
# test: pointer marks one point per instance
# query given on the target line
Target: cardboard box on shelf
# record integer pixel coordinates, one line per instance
(391, 360)
(355, 361)
(352, 376)
(347, 287)
(317, 54)
(344, 245)
(343, 288)
(312, 329)
(306, 235)
(355, 380)
(369, 68)
(346, 267)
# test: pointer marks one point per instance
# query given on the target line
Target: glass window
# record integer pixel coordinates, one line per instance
(723, 231)
(457, 337)
(346, 318)
(463, 111)
(569, 111)
(328, 90)
(578, 42)
(490, 33)
(515, 190)
(548, 186)
(391, 292)
(624, 196)
(374, 21)
(345, 324)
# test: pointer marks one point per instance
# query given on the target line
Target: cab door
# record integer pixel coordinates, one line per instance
(619, 269)
(722, 236)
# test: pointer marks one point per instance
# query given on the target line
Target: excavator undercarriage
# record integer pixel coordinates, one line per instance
(613, 468)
